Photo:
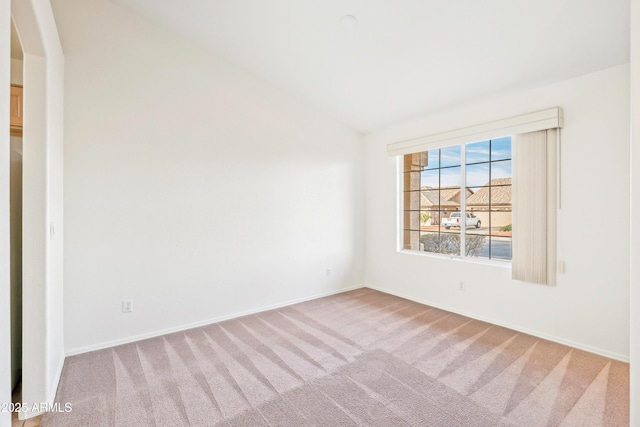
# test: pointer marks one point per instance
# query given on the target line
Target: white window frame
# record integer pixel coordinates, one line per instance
(463, 209)
(541, 120)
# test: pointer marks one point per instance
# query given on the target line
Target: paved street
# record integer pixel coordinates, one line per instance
(500, 248)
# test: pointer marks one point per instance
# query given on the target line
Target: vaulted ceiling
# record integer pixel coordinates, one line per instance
(394, 59)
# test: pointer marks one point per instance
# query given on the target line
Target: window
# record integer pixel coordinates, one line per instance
(459, 197)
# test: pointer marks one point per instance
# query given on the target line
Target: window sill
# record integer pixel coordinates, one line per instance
(470, 260)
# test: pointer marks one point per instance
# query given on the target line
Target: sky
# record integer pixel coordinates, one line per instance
(477, 156)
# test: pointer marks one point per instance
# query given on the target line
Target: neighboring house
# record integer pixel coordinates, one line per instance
(441, 201)
(498, 191)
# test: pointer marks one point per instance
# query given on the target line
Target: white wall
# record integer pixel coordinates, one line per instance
(43, 346)
(5, 249)
(190, 187)
(589, 307)
(635, 213)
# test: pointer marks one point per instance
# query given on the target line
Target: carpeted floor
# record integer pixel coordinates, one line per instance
(357, 358)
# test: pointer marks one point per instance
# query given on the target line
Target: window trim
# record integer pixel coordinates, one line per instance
(455, 258)
(463, 208)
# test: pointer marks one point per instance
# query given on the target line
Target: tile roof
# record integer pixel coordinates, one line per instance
(500, 193)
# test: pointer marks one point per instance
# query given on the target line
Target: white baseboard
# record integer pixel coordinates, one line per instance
(580, 346)
(127, 340)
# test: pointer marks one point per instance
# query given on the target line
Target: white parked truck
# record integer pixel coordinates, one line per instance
(454, 220)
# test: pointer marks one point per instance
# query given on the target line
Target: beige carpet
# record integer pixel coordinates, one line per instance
(358, 358)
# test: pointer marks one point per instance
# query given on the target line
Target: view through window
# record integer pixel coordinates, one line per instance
(459, 195)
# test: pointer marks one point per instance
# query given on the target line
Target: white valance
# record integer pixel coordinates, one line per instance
(551, 118)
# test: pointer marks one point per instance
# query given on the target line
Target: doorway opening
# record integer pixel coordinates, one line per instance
(15, 204)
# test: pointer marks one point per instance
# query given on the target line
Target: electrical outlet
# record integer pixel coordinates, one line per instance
(127, 306)
(461, 285)
(328, 272)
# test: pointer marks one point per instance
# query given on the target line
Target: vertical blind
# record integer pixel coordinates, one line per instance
(534, 207)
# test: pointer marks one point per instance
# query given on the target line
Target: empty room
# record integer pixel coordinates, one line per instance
(319, 213)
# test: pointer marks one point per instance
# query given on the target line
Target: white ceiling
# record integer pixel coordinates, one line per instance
(404, 57)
